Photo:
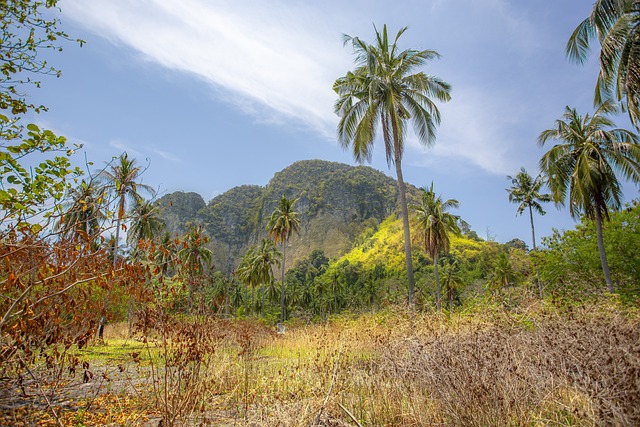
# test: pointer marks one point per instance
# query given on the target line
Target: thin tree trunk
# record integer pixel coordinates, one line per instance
(438, 299)
(103, 318)
(533, 239)
(284, 252)
(603, 255)
(407, 232)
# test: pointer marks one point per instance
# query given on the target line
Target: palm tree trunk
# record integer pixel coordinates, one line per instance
(105, 305)
(405, 225)
(284, 258)
(438, 299)
(533, 239)
(603, 255)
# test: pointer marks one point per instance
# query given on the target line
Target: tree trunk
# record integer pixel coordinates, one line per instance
(438, 299)
(533, 239)
(603, 255)
(407, 232)
(284, 251)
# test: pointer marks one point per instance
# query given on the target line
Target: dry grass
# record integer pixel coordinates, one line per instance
(490, 367)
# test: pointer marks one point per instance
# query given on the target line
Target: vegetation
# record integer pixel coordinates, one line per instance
(384, 88)
(615, 24)
(583, 168)
(525, 190)
(199, 349)
(436, 224)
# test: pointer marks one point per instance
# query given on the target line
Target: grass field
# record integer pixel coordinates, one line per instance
(577, 365)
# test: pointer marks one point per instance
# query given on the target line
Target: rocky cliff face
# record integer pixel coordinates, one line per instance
(335, 202)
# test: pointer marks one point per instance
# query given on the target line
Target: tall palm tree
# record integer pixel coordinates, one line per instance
(246, 273)
(432, 218)
(266, 256)
(385, 88)
(525, 190)
(195, 258)
(583, 167)
(616, 26)
(121, 180)
(282, 224)
(84, 212)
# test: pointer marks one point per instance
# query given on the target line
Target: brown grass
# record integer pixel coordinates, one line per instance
(576, 366)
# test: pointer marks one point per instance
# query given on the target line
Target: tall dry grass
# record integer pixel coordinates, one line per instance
(488, 366)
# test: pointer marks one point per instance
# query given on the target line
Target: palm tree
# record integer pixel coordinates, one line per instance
(83, 212)
(266, 256)
(165, 254)
(385, 88)
(121, 179)
(503, 275)
(583, 167)
(146, 222)
(526, 191)
(616, 25)
(436, 223)
(247, 274)
(195, 258)
(282, 224)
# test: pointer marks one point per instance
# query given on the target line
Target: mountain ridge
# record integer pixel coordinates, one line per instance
(335, 202)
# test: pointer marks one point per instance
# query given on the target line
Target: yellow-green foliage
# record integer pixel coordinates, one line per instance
(384, 246)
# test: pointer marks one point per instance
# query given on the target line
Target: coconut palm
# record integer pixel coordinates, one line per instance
(282, 224)
(385, 88)
(195, 258)
(583, 167)
(616, 25)
(435, 223)
(503, 275)
(84, 212)
(247, 274)
(525, 190)
(121, 180)
(266, 256)
(164, 255)
(146, 222)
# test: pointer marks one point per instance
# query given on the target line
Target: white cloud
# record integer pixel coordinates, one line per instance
(259, 57)
(123, 147)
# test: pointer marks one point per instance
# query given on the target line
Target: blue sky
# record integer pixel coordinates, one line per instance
(217, 94)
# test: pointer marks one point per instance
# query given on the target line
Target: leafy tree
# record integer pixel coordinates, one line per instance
(282, 224)
(27, 30)
(266, 256)
(525, 190)
(583, 167)
(570, 262)
(432, 218)
(616, 25)
(385, 89)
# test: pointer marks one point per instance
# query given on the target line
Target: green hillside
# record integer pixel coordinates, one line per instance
(336, 202)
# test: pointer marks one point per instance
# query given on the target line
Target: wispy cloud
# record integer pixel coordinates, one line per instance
(258, 56)
(276, 61)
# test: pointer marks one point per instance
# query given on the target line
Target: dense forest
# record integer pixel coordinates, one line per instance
(334, 295)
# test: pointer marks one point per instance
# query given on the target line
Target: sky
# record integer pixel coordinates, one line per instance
(212, 94)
